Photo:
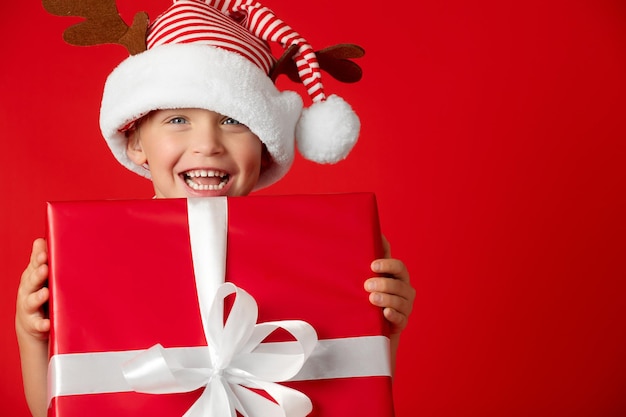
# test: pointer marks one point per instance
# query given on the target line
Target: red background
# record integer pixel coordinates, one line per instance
(493, 136)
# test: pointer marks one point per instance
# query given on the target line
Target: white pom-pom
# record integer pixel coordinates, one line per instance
(327, 131)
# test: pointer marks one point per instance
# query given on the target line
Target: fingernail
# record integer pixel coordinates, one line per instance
(370, 286)
(376, 266)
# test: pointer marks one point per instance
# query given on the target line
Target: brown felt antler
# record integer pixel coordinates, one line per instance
(103, 24)
(335, 60)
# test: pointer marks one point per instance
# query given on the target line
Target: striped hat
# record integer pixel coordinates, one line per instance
(215, 55)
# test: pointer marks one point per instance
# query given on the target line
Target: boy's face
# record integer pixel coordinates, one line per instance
(197, 153)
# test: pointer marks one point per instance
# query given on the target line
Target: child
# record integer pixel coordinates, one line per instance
(197, 113)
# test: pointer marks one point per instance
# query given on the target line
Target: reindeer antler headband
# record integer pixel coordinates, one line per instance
(102, 24)
(214, 55)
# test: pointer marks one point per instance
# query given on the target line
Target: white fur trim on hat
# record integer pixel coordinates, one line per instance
(206, 77)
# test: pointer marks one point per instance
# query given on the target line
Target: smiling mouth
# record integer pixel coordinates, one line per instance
(205, 179)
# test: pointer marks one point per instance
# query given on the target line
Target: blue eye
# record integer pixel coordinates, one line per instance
(177, 120)
(231, 121)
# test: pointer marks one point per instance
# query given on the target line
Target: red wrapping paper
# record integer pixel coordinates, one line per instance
(121, 278)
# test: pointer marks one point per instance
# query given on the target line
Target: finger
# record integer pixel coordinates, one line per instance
(399, 304)
(42, 325)
(385, 292)
(38, 327)
(390, 286)
(39, 254)
(393, 267)
(38, 257)
(398, 319)
(35, 279)
(33, 302)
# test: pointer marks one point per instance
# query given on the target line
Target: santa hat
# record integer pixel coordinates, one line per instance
(215, 55)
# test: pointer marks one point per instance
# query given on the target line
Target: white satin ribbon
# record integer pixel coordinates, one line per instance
(208, 229)
(101, 372)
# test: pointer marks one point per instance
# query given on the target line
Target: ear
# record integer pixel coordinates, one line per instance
(266, 158)
(134, 150)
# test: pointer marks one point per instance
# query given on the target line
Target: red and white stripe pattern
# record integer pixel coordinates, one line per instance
(193, 21)
(241, 26)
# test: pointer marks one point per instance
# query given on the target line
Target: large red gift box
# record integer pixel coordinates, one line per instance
(124, 277)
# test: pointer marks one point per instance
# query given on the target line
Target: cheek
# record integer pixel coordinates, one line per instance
(250, 154)
(163, 151)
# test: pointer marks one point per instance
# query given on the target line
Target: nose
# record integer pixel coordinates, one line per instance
(208, 140)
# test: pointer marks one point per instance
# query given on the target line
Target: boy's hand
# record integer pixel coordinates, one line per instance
(393, 293)
(32, 327)
(30, 319)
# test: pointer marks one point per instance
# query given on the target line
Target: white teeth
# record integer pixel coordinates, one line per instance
(205, 187)
(205, 173)
(190, 175)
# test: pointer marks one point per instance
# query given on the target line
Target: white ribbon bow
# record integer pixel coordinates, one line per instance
(235, 359)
